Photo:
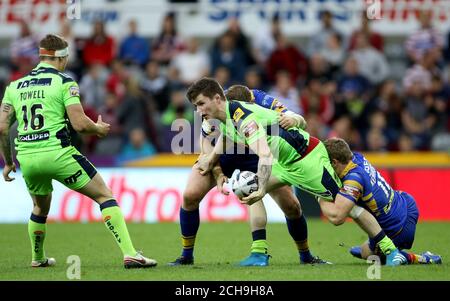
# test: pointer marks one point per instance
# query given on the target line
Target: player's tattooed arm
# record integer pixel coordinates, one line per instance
(7, 117)
(264, 171)
(9, 113)
(262, 149)
(5, 146)
(6, 107)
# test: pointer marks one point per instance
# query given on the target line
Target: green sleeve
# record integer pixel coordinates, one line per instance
(223, 129)
(71, 93)
(251, 129)
(230, 134)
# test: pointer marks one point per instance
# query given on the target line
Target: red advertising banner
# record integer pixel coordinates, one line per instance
(430, 188)
(155, 195)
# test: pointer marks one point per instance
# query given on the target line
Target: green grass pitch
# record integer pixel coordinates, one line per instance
(219, 247)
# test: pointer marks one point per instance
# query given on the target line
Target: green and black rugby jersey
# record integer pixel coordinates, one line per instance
(39, 100)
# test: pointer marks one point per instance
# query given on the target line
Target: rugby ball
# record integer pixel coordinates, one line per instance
(244, 183)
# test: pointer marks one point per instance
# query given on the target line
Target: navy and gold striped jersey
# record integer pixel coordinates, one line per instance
(363, 185)
(267, 101)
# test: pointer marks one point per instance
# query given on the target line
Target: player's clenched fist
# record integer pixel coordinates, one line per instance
(286, 121)
(289, 120)
(253, 197)
(220, 181)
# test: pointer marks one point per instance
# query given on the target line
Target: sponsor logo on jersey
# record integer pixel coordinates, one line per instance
(238, 114)
(351, 190)
(277, 106)
(74, 91)
(250, 129)
(73, 178)
(37, 242)
(113, 231)
(46, 81)
(34, 137)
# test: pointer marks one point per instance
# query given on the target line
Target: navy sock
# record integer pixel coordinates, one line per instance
(298, 229)
(38, 219)
(108, 204)
(377, 238)
(189, 222)
(259, 234)
(259, 244)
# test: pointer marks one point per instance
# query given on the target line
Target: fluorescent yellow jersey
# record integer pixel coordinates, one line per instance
(39, 100)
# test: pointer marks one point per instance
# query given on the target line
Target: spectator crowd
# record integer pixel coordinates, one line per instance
(342, 85)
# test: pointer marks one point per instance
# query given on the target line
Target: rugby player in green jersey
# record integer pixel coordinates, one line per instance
(286, 157)
(43, 102)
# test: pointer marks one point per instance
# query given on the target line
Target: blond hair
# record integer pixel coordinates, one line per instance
(338, 149)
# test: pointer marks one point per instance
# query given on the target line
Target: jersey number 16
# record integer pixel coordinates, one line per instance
(37, 120)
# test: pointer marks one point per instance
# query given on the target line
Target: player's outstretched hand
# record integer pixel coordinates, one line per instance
(221, 180)
(253, 197)
(102, 127)
(6, 170)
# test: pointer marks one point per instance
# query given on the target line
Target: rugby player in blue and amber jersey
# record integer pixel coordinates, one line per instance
(395, 211)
